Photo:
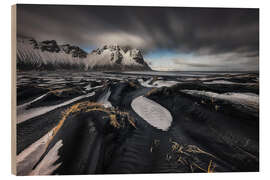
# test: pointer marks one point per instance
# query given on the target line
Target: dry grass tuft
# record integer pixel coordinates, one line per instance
(195, 149)
(186, 155)
(152, 91)
(131, 121)
(132, 84)
(211, 167)
(73, 109)
(88, 106)
(58, 92)
(113, 121)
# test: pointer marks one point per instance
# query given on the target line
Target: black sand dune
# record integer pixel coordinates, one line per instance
(103, 134)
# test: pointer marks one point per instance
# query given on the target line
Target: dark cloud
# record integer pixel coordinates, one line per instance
(201, 31)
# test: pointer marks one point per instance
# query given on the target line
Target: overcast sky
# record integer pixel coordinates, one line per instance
(196, 39)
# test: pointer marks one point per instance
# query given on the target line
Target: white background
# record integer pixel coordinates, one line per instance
(5, 85)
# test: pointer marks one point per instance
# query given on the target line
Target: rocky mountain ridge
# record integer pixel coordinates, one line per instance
(49, 55)
(52, 46)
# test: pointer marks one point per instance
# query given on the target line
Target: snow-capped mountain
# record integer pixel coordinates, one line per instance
(48, 55)
(113, 56)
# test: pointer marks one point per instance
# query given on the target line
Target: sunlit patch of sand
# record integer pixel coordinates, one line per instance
(105, 100)
(152, 112)
(31, 155)
(249, 100)
(46, 165)
(23, 115)
(153, 82)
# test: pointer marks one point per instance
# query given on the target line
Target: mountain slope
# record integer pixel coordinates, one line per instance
(48, 55)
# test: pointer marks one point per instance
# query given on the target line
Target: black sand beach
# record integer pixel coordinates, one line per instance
(92, 128)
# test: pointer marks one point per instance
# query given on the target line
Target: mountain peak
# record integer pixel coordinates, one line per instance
(49, 54)
(117, 54)
(53, 47)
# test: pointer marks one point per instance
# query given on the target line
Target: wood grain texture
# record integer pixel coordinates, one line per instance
(13, 87)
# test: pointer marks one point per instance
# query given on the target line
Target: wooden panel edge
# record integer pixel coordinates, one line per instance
(13, 87)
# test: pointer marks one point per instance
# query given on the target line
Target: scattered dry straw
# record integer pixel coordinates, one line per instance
(88, 106)
(185, 154)
(152, 91)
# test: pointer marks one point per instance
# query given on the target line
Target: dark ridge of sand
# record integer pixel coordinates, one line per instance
(222, 134)
(31, 130)
(28, 93)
